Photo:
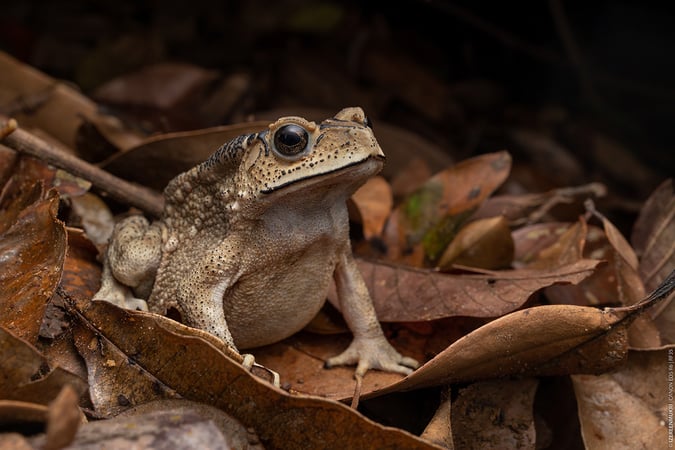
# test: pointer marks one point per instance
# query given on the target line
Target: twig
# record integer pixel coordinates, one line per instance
(24, 142)
(357, 391)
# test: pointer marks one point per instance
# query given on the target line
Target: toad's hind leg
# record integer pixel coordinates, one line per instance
(130, 263)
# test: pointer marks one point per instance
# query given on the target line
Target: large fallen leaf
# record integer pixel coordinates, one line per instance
(543, 340)
(405, 294)
(156, 160)
(630, 407)
(37, 100)
(483, 243)
(161, 86)
(193, 365)
(653, 237)
(654, 234)
(432, 214)
(32, 252)
(372, 204)
(26, 374)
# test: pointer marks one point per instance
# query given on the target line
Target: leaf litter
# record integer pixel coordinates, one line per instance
(443, 247)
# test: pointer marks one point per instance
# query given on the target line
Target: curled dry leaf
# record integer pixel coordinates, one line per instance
(410, 177)
(533, 208)
(94, 216)
(627, 408)
(654, 234)
(653, 237)
(63, 419)
(32, 252)
(544, 340)
(439, 428)
(483, 243)
(404, 294)
(115, 384)
(194, 366)
(373, 202)
(198, 370)
(431, 215)
(27, 375)
(530, 240)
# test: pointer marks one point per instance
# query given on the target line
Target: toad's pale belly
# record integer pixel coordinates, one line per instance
(264, 307)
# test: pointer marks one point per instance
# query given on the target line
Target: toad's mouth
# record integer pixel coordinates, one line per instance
(371, 165)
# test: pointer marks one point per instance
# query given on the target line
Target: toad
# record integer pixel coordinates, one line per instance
(249, 240)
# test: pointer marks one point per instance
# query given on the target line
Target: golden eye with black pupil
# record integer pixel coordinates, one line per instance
(291, 140)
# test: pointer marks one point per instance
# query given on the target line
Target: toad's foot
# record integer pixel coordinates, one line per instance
(120, 295)
(373, 353)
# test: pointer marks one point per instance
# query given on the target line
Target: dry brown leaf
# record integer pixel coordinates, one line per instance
(27, 375)
(33, 247)
(63, 419)
(495, 414)
(546, 245)
(94, 216)
(543, 340)
(410, 177)
(653, 237)
(39, 101)
(14, 412)
(432, 214)
(192, 364)
(161, 85)
(628, 408)
(568, 248)
(654, 234)
(373, 202)
(483, 243)
(532, 208)
(115, 382)
(405, 294)
(81, 271)
(530, 240)
(439, 428)
(156, 160)
(626, 283)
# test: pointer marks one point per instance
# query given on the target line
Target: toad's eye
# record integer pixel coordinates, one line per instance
(291, 141)
(367, 122)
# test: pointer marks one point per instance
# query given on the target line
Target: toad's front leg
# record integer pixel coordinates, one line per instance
(369, 348)
(130, 263)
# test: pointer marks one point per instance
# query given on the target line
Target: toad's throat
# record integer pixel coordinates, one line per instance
(323, 174)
